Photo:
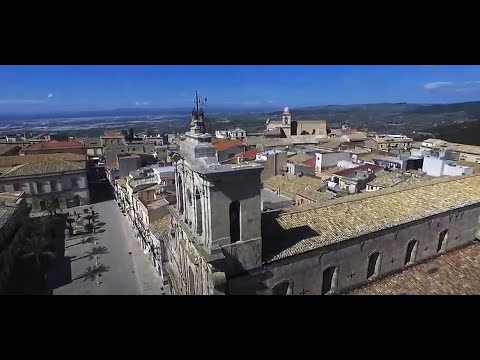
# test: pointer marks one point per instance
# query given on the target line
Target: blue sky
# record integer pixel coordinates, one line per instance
(67, 87)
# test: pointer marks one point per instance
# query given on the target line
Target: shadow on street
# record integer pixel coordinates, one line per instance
(100, 192)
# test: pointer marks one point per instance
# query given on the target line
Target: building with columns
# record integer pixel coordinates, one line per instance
(48, 180)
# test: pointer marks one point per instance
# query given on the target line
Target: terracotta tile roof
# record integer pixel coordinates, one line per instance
(300, 158)
(43, 168)
(305, 186)
(332, 144)
(112, 164)
(377, 210)
(54, 144)
(224, 144)
(387, 179)
(454, 273)
(250, 154)
(310, 162)
(7, 161)
(351, 172)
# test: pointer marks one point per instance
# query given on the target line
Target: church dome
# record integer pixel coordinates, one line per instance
(286, 110)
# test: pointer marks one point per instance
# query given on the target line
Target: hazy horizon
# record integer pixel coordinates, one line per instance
(62, 88)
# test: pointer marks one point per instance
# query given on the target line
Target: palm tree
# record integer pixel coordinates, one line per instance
(52, 206)
(99, 250)
(35, 246)
(93, 272)
(70, 222)
(88, 217)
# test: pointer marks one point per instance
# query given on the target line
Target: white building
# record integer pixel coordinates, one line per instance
(438, 166)
(237, 133)
(329, 158)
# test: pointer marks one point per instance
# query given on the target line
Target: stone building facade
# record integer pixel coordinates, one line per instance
(351, 242)
(61, 181)
(215, 229)
(14, 214)
(292, 127)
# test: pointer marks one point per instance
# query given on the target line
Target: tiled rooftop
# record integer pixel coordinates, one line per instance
(469, 149)
(386, 179)
(352, 171)
(357, 215)
(332, 144)
(290, 185)
(300, 158)
(7, 161)
(54, 144)
(454, 273)
(43, 168)
(475, 166)
(312, 162)
(160, 226)
(6, 212)
(224, 144)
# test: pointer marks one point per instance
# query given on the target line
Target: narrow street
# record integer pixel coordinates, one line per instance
(123, 267)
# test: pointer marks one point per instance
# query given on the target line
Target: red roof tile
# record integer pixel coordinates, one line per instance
(54, 144)
(224, 144)
(310, 162)
(250, 154)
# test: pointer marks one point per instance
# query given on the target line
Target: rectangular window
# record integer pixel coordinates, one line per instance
(40, 187)
(74, 182)
(17, 187)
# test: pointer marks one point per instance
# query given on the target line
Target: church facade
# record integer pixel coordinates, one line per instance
(291, 127)
(220, 242)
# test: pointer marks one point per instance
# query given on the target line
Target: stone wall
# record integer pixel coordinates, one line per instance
(304, 272)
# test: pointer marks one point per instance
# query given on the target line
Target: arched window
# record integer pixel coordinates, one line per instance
(43, 205)
(180, 192)
(191, 281)
(234, 212)
(374, 261)
(329, 280)
(198, 208)
(411, 253)
(442, 240)
(283, 288)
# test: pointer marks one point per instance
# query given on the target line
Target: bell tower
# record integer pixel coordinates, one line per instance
(286, 117)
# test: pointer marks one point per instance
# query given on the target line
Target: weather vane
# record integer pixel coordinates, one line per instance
(199, 103)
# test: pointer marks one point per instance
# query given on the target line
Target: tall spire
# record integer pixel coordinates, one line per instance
(197, 125)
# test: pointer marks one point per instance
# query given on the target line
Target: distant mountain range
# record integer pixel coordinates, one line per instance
(468, 108)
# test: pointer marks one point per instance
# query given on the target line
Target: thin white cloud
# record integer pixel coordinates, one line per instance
(21, 101)
(49, 95)
(464, 86)
(141, 103)
(437, 84)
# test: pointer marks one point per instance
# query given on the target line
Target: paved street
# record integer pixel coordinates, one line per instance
(125, 269)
